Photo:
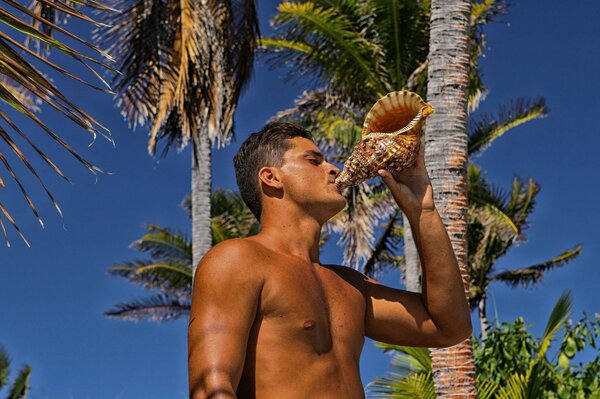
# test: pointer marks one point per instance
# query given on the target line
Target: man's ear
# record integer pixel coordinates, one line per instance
(270, 177)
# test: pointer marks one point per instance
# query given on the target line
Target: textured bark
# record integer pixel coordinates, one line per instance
(446, 159)
(201, 185)
(412, 265)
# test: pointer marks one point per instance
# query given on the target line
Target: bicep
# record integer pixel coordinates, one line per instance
(224, 305)
(398, 317)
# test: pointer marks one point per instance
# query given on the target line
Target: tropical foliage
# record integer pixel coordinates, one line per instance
(20, 386)
(497, 221)
(184, 65)
(510, 362)
(24, 88)
(352, 53)
(168, 269)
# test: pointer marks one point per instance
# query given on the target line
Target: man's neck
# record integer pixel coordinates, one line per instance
(293, 234)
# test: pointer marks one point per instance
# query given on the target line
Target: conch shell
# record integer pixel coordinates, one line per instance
(391, 138)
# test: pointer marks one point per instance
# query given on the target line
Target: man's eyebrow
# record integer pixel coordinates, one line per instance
(315, 153)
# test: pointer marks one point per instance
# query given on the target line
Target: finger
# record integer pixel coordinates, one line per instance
(421, 155)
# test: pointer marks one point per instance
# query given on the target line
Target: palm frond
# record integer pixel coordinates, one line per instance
(4, 366)
(481, 14)
(24, 88)
(515, 388)
(485, 129)
(138, 38)
(528, 276)
(403, 26)
(170, 278)
(415, 386)
(384, 253)
(230, 218)
(185, 77)
(489, 204)
(417, 358)
(486, 389)
(20, 386)
(338, 49)
(158, 308)
(560, 313)
(487, 11)
(164, 244)
(356, 223)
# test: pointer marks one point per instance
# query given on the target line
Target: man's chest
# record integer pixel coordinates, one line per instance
(315, 308)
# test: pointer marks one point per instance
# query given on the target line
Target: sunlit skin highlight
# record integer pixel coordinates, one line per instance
(270, 321)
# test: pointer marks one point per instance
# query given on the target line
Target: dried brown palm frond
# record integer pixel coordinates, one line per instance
(185, 65)
(24, 88)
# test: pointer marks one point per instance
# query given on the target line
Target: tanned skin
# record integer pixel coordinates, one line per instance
(268, 320)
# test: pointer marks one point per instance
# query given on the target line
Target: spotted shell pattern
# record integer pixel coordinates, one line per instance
(391, 138)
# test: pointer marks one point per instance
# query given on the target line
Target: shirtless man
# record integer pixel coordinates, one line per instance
(269, 321)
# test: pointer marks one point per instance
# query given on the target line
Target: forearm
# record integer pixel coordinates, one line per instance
(442, 287)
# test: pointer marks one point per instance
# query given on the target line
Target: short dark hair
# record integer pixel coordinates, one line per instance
(263, 148)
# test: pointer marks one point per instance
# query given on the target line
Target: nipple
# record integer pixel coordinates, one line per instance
(309, 324)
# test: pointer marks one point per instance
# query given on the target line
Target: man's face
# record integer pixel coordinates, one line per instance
(310, 180)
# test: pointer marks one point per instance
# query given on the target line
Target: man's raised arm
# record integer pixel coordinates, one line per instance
(224, 304)
(440, 315)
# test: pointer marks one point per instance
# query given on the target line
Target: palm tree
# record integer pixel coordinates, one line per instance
(355, 51)
(23, 88)
(20, 386)
(184, 66)
(446, 158)
(496, 221)
(169, 267)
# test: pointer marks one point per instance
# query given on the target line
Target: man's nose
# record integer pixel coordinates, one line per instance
(334, 170)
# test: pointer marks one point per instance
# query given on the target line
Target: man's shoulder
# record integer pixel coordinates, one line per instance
(236, 255)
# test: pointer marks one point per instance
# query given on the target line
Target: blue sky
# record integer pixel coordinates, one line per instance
(54, 293)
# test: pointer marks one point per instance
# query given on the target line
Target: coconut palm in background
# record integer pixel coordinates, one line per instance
(184, 65)
(496, 221)
(355, 52)
(20, 386)
(169, 267)
(446, 159)
(23, 88)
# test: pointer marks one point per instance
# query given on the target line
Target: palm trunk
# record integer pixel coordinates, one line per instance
(446, 158)
(412, 265)
(483, 322)
(201, 189)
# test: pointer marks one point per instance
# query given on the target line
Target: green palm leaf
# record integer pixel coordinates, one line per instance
(4, 366)
(339, 50)
(416, 358)
(415, 386)
(157, 308)
(484, 130)
(560, 313)
(20, 386)
(527, 276)
(164, 244)
(170, 278)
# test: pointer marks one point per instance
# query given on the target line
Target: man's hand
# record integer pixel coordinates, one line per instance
(411, 188)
